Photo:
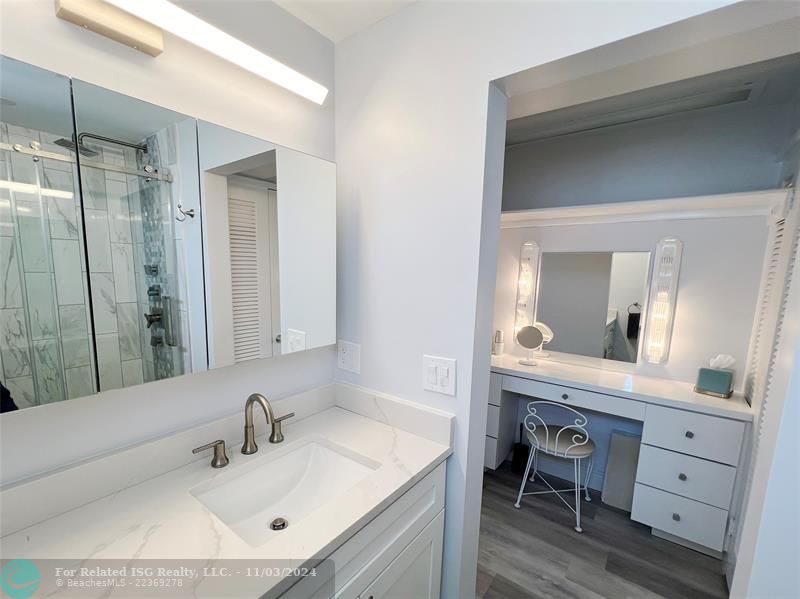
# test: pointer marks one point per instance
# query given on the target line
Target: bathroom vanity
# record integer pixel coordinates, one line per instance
(692, 445)
(363, 497)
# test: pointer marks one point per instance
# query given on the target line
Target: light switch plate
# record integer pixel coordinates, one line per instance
(439, 374)
(349, 356)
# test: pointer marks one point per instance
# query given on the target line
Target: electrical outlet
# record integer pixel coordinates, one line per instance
(439, 374)
(349, 356)
(297, 340)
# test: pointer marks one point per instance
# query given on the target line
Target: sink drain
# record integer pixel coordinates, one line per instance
(278, 524)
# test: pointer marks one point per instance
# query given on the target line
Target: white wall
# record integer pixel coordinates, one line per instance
(703, 152)
(775, 573)
(415, 237)
(717, 290)
(193, 82)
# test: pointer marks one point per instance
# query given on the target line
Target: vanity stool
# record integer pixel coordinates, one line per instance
(568, 442)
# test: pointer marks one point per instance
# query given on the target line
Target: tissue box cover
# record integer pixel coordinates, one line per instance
(714, 381)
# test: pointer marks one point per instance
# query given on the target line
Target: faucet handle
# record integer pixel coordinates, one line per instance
(277, 428)
(220, 459)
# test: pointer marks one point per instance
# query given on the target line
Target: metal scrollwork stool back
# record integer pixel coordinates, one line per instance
(568, 442)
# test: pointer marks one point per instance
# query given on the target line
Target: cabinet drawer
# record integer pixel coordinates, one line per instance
(493, 421)
(685, 518)
(371, 549)
(709, 437)
(685, 475)
(490, 453)
(416, 572)
(610, 404)
(495, 388)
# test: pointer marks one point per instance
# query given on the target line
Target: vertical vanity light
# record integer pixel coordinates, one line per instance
(526, 285)
(663, 293)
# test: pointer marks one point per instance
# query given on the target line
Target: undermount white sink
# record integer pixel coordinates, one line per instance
(290, 486)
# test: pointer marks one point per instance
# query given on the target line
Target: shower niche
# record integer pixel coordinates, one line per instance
(104, 249)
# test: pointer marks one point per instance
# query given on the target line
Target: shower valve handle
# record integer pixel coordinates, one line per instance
(154, 317)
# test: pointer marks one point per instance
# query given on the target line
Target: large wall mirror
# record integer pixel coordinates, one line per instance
(271, 240)
(139, 244)
(593, 302)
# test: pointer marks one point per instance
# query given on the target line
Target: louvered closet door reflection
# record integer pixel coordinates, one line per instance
(248, 222)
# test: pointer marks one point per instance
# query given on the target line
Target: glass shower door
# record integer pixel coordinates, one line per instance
(132, 267)
(45, 351)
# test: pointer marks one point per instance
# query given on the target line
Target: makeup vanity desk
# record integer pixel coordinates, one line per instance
(691, 447)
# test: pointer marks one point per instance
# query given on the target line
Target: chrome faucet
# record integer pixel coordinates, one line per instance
(276, 436)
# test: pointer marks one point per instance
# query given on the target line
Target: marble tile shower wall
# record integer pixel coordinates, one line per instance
(44, 321)
(123, 220)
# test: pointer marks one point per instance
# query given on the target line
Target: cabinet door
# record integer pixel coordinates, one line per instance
(417, 571)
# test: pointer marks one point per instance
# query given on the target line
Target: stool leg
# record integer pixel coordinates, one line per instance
(577, 464)
(524, 478)
(588, 474)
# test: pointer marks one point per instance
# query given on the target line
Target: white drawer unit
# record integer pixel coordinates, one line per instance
(688, 458)
(417, 571)
(685, 518)
(495, 389)
(490, 454)
(493, 421)
(691, 477)
(708, 437)
(599, 402)
(501, 423)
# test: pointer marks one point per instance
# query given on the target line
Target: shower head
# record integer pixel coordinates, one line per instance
(70, 145)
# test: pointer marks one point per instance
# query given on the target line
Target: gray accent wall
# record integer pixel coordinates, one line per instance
(703, 152)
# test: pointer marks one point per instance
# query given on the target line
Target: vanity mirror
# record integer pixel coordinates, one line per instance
(115, 273)
(271, 238)
(593, 302)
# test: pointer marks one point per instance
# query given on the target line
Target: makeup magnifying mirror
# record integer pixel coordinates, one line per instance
(531, 338)
(548, 335)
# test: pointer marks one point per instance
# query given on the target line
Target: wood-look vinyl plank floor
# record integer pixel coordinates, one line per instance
(533, 552)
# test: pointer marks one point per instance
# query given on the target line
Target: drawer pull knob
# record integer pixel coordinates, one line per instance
(564, 396)
(681, 476)
(676, 517)
(689, 435)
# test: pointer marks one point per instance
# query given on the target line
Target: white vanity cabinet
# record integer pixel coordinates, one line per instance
(501, 424)
(416, 572)
(686, 474)
(400, 549)
(690, 451)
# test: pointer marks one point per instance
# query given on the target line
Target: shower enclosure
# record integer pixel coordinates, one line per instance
(92, 297)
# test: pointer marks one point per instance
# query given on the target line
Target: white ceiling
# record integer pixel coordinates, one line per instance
(338, 20)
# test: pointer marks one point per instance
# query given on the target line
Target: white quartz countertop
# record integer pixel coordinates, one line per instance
(161, 519)
(653, 390)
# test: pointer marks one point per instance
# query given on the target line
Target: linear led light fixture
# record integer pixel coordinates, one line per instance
(663, 294)
(526, 286)
(194, 30)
